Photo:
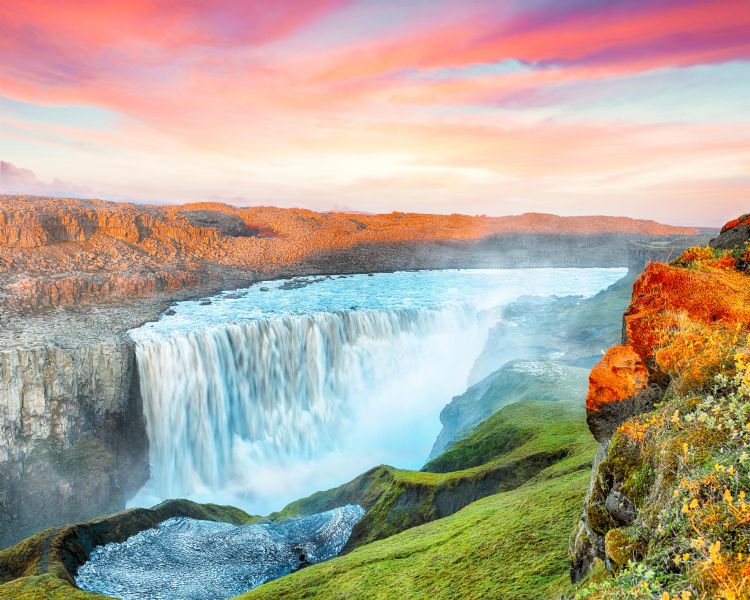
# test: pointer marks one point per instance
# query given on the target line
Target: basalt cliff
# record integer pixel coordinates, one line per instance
(665, 514)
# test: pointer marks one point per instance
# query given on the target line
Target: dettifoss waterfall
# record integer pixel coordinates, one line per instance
(268, 394)
(284, 387)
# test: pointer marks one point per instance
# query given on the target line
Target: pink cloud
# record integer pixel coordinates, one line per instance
(15, 180)
(216, 88)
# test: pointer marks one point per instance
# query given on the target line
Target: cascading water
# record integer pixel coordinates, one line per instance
(284, 388)
(271, 393)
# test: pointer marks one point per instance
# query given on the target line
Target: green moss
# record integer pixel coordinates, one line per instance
(493, 437)
(44, 587)
(624, 545)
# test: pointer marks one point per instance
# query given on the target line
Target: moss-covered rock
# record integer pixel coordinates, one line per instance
(624, 545)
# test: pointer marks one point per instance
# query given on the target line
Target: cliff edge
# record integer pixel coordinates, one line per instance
(665, 515)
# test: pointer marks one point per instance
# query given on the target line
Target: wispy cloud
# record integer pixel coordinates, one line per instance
(485, 104)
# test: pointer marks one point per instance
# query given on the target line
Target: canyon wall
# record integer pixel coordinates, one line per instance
(72, 441)
(64, 252)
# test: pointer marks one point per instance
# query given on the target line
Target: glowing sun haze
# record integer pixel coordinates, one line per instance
(634, 107)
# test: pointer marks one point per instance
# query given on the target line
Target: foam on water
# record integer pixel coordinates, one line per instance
(270, 393)
(186, 559)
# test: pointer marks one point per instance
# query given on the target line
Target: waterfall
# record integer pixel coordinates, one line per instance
(224, 402)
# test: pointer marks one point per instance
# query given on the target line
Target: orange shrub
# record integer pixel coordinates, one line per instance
(693, 352)
(696, 253)
(714, 297)
(725, 261)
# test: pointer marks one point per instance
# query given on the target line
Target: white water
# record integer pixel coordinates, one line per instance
(185, 559)
(262, 397)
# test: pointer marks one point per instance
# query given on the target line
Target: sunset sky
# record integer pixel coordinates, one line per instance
(637, 107)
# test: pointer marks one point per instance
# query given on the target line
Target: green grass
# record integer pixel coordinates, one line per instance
(512, 545)
(496, 526)
(44, 587)
(517, 443)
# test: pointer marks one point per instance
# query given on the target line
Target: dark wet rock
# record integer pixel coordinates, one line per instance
(620, 507)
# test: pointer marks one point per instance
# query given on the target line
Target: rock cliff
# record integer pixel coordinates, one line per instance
(72, 442)
(652, 404)
(57, 252)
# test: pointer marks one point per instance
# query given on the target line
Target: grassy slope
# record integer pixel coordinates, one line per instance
(508, 449)
(510, 545)
(535, 328)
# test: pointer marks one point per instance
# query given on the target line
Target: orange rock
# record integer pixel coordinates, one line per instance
(743, 220)
(56, 251)
(619, 375)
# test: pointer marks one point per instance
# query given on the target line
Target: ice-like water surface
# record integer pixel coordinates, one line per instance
(186, 559)
(270, 393)
(483, 288)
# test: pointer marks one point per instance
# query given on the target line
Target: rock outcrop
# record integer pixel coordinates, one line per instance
(58, 252)
(682, 320)
(735, 234)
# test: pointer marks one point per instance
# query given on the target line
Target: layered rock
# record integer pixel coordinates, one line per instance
(71, 434)
(57, 252)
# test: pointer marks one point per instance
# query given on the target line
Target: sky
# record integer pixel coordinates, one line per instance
(624, 107)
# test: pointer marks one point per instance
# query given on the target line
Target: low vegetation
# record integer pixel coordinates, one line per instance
(681, 472)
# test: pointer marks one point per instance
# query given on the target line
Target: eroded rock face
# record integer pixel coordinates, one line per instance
(58, 251)
(734, 234)
(72, 442)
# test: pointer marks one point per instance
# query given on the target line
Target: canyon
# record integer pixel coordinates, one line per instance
(76, 275)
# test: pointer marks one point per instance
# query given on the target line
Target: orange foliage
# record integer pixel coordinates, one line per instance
(693, 353)
(620, 374)
(726, 261)
(683, 321)
(743, 220)
(714, 297)
(696, 253)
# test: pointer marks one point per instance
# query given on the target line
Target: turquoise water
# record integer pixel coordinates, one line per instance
(264, 395)
(483, 288)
